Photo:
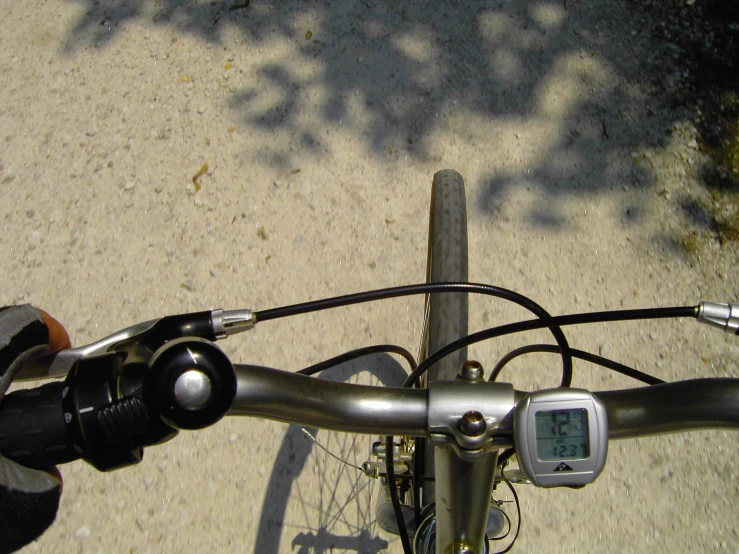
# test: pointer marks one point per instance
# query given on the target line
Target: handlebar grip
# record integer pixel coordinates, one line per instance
(32, 427)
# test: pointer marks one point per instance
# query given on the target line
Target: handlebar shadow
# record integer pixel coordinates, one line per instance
(289, 464)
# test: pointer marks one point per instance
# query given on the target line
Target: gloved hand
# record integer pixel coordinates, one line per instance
(29, 498)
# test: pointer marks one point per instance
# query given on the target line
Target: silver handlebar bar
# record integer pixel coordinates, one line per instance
(311, 402)
(308, 401)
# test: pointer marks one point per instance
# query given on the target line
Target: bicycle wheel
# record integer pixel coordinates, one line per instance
(446, 315)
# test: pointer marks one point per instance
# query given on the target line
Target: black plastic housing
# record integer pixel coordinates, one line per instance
(32, 428)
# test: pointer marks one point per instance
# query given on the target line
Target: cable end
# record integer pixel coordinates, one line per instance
(231, 322)
(722, 316)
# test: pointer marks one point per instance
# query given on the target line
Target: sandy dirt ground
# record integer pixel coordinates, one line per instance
(322, 125)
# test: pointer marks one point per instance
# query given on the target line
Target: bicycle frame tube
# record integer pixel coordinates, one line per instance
(463, 490)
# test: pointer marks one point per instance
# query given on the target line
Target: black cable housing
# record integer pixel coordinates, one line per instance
(428, 288)
(551, 323)
(580, 354)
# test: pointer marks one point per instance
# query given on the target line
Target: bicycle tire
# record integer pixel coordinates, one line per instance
(446, 315)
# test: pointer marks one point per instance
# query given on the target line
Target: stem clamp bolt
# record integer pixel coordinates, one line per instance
(471, 371)
(472, 424)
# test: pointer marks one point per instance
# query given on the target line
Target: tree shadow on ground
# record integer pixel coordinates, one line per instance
(398, 75)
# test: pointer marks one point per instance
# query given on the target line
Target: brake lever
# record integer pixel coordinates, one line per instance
(58, 365)
(212, 325)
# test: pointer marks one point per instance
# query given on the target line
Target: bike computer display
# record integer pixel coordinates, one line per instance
(561, 437)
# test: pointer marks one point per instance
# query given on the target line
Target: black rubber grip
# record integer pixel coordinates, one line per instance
(32, 427)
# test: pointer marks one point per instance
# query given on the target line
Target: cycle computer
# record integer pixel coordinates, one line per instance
(561, 437)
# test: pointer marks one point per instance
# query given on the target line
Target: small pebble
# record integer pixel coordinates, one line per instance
(260, 471)
(693, 144)
(82, 533)
(201, 109)
(604, 350)
(148, 482)
(129, 186)
(233, 438)
(653, 335)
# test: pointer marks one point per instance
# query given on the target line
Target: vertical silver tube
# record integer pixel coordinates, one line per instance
(463, 490)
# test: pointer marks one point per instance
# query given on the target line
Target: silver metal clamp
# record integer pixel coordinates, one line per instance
(476, 416)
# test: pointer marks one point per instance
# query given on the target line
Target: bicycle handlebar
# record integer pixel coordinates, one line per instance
(672, 407)
(666, 408)
(39, 431)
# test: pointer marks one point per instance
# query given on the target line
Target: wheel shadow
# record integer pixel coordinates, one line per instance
(327, 527)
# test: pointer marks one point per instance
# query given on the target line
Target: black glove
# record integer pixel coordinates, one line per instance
(29, 499)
